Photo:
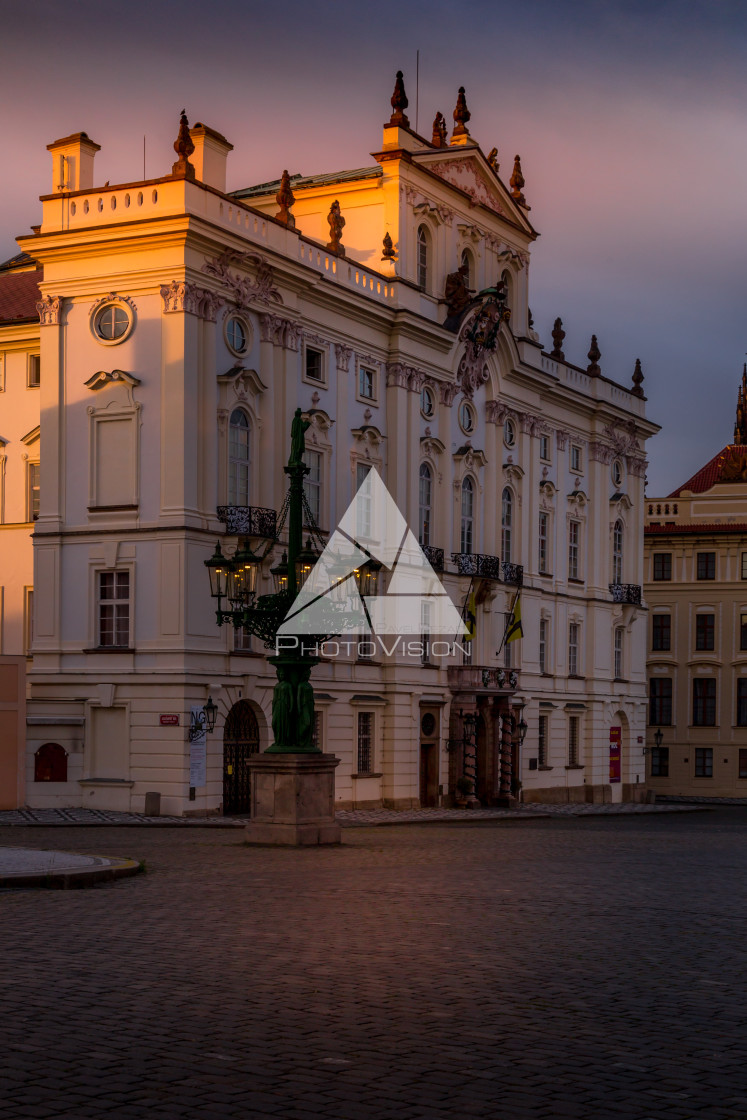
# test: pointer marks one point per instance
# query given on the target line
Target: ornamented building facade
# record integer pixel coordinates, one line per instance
(179, 328)
(696, 589)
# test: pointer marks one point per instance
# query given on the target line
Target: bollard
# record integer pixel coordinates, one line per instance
(152, 804)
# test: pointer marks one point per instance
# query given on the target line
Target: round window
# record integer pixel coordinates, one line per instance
(428, 723)
(466, 417)
(427, 404)
(509, 433)
(236, 334)
(112, 323)
(617, 472)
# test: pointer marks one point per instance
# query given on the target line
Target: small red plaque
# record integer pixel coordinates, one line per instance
(169, 721)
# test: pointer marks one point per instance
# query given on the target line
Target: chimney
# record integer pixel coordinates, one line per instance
(72, 161)
(209, 156)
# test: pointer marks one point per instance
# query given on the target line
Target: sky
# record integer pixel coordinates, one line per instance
(630, 118)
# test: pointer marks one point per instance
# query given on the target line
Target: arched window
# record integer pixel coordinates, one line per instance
(50, 763)
(238, 459)
(423, 255)
(506, 518)
(617, 552)
(424, 502)
(468, 515)
(468, 262)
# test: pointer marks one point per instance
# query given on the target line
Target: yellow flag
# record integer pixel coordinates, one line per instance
(470, 617)
(515, 630)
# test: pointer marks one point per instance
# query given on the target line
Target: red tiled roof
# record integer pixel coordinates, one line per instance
(19, 292)
(704, 528)
(711, 473)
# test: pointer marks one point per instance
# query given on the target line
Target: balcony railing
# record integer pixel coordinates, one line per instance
(513, 573)
(249, 521)
(626, 593)
(469, 678)
(475, 564)
(434, 556)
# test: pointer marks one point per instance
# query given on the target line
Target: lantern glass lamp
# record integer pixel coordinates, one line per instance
(211, 711)
(658, 736)
(218, 566)
(246, 564)
(367, 577)
(305, 561)
(280, 574)
(523, 728)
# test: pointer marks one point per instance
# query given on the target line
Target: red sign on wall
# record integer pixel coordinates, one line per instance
(615, 753)
(169, 721)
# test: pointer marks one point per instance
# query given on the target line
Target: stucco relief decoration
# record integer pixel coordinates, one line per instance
(244, 289)
(533, 425)
(320, 424)
(625, 444)
(181, 295)
(343, 354)
(49, 308)
(471, 233)
(279, 331)
(402, 376)
(561, 438)
(424, 206)
(479, 334)
(465, 175)
(505, 252)
(497, 412)
(222, 420)
(111, 377)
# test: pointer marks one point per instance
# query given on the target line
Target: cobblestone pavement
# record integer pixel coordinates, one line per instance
(579, 968)
(345, 817)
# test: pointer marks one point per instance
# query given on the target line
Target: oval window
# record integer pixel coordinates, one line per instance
(466, 417)
(509, 433)
(112, 322)
(427, 403)
(236, 334)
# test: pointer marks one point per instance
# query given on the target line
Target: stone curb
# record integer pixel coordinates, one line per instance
(111, 868)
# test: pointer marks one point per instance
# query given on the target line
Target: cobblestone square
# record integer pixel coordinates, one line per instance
(571, 967)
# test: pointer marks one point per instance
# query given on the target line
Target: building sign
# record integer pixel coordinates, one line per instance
(169, 721)
(198, 752)
(615, 753)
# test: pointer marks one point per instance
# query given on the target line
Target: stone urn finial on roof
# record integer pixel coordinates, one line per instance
(285, 199)
(558, 334)
(461, 115)
(183, 146)
(399, 103)
(517, 184)
(336, 225)
(637, 391)
(593, 368)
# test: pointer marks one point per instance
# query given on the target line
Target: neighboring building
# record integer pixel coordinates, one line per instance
(696, 590)
(180, 328)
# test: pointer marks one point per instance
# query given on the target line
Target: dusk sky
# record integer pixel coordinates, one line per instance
(631, 121)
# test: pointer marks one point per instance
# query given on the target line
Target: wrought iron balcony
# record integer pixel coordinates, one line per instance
(478, 678)
(513, 573)
(626, 593)
(475, 564)
(249, 521)
(434, 556)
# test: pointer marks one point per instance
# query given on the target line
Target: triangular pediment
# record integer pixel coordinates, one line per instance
(469, 171)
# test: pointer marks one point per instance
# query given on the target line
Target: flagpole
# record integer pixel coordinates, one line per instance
(509, 617)
(465, 603)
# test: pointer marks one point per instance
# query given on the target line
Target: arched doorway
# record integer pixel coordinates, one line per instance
(240, 740)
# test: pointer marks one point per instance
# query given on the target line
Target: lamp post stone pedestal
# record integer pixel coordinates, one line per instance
(293, 799)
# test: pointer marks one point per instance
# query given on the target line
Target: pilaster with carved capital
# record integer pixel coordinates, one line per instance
(49, 308)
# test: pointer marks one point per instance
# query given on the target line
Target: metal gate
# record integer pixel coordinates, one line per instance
(240, 740)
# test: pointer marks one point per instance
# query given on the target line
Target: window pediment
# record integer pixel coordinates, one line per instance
(30, 437)
(244, 381)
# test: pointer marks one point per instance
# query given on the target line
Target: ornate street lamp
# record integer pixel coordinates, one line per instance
(235, 579)
(523, 728)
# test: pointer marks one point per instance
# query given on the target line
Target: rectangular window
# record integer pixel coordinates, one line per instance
(744, 565)
(573, 722)
(242, 638)
(367, 383)
(576, 460)
(704, 631)
(364, 502)
(662, 565)
(365, 742)
(507, 647)
(704, 702)
(573, 631)
(660, 762)
(543, 646)
(314, 364)
(743, 631)
(545, 448)
(574, 538)
(33, 491)
(662, 631)
(114, 609)
(312, 484)
(704, 762)
(542, 741)
(660, 693)
(706, 565)
(742, 762)
(742, 702)
(619, 652)
(543, 542)
(425, 630)
(29, 620)
(33, 379)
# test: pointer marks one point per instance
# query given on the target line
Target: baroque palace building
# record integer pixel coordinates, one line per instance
(157, 337)
(696, 589)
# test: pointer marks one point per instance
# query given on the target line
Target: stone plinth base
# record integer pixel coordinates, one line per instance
(293, 800)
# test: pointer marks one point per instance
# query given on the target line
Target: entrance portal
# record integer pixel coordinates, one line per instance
(240, 741)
